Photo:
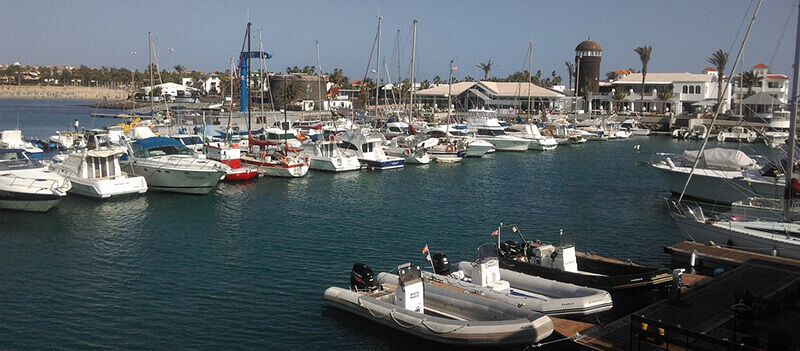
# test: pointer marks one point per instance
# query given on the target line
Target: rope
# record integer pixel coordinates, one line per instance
(541, 344)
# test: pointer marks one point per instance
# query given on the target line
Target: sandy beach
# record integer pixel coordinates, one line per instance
(55, 92)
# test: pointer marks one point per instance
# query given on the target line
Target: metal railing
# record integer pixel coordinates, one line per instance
(664, 336)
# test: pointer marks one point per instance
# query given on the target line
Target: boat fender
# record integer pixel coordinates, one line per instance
(670, 163)
(450, 148)
(407, 152)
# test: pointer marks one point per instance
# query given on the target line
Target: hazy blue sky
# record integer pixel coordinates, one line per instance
(206, 34)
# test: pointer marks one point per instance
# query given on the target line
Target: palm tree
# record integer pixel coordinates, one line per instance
(570, 72)
(612, 75)
(719, 59)
(180, 69)
(665, 96)
(644, 56)
(485, 67)
(289, 93)
(618, 96)
(750, 79)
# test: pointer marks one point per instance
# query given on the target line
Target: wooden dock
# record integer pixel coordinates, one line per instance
(711, 257)
(754, 305)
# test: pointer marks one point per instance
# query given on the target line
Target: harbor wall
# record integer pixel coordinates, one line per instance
(57, 92)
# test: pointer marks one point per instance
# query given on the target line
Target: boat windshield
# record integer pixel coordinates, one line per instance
(488, 250)
(164, 150)
(490, 132)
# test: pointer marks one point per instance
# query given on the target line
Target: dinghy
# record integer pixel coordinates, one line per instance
(485, 278)
(564, 264)
(437, 312)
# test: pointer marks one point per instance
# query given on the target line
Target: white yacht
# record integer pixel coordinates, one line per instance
(12, 139)
(776, 238)
(367, 143)
(413, 148)
(488, 128)
(67, 140)
(27, 185)
(723, 176)
(737, 133)
(168, 165)
(531, 132)
(634, 127)
(97, 173)
(326, 156)
(462, 140)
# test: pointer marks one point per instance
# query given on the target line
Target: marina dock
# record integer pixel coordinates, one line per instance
(755, 303)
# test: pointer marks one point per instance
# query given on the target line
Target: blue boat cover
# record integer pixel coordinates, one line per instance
(150, 143)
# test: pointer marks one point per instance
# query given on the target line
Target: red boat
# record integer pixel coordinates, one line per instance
(231, 156)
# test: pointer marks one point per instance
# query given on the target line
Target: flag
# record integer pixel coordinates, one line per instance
(426, 251)
(496, 232)
(454, 68)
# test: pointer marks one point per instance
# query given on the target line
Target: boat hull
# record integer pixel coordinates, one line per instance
(11, 200)
(509, 145)
(184, 181)
(391, 163)
(721, 187)
(778, 243)
(106, 188)
(508, 325)
(277, 169)
(334, 164)
(240, 174)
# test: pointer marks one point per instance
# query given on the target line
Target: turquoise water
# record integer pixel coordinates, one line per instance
(245, 266)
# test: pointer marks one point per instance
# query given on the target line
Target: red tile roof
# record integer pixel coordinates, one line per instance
(777, 76)
(760, 65)
(709, 69)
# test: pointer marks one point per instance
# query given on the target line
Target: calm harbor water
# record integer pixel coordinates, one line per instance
(245, 266)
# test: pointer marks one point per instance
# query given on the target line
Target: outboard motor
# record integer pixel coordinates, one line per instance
(362, 278)
(441, 264)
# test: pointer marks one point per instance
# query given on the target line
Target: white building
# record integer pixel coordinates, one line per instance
(170, 91)
(691, 92)
(211, 85)
(506, 97)
(775, 85)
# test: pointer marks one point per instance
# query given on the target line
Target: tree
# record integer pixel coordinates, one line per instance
(469, 79)
(719, 59)
(180, 69)
(437, 80)
(750, 80)
(612, 75)
(665, 96)
(485, 67)
(570, 72)
(644, 56)
(289, 94)
(339, 79)
(618, 96)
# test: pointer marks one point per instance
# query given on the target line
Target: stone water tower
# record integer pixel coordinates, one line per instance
(587, 63)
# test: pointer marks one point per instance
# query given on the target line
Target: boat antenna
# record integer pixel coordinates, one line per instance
(413, 68)
(719, 105)
(793, 123)
(449, 97)
(378, 66)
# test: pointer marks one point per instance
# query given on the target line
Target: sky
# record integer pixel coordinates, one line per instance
(205, 35)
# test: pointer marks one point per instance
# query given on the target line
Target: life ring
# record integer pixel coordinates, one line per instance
(285, 160)
(450, 148)
(407, 152)
(331, 137)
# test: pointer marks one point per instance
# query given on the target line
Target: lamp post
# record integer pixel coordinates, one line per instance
(170, 58)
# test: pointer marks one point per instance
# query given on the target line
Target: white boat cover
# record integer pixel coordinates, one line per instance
(142, 133)
(719, 158)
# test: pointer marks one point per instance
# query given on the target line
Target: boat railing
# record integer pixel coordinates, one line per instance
(183, 161)
(41, 184)
(688, 209)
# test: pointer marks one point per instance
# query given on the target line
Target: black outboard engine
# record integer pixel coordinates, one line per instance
(362, 278)
(441, 264)
(510, 249)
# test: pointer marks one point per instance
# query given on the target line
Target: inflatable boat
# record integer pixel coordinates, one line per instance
(564, 264)
(485, 278)
(437, 313)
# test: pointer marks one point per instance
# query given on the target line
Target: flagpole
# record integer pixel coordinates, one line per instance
(427, 251)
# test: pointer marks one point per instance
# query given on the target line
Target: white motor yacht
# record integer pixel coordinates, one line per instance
(27, 185)
(97, 173)
(413, 148)
(326, 156)
(367, 143)
(168, 165)
(634, 127)
(531, 132)
(488, 128)
(737, 133)
(12, 139)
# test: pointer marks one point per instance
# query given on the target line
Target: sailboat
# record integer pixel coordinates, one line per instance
(227, 153)
(326, 155)
(270, 158)
(529, 130)
(776, 237)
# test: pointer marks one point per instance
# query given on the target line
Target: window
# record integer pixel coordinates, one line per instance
(348, 146)
(366, 147)
(697, 89)
(773, 85)
(685, 89)
(691, 89)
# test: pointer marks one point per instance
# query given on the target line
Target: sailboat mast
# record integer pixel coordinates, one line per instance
(530, 69)
(792, 122)
(247, 78)
(378, 66)
(449, 97)
(413, 67)
(150, 68)
(320, 138)
(399, 78)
